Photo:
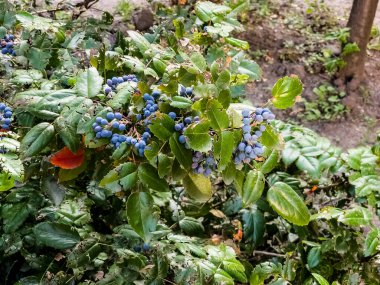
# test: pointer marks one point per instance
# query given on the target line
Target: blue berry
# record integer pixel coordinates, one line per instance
(114, 80)
(98, 135)
(2, 106)
(98, 129)
(133, 141)
(122, 127)
(115, 125)
(245, 113)
(172, 115)
(146, 113)
(246, 121)
(178, 127)
(189, 91)
(182, 139)
(246, 128)
(109, 82)
(120, 80)
(259, 118)
(104, 122)
(146, 135)
(188, 120)
(262, 128)
(241, 146)
(259, 111)
(138, 117)
(156, 93)
(122, 138)
(107, 90)
(118, 116)
(104, 133)
(110, 116)
(99, 120)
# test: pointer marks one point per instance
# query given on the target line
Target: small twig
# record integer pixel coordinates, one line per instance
(260, 252)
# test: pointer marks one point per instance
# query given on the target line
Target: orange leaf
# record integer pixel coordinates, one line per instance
(66, 159)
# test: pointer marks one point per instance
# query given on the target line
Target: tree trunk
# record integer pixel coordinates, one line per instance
(360, 22)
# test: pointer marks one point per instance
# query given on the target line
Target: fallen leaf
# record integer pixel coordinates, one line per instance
(66, 159)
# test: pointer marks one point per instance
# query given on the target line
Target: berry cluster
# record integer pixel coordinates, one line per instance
(150, 107)
(5, 116)
(115, 81)
(203, 163)
(7, 45)
(185, 91)
(249, 148)
(181, 127)
(112, 127)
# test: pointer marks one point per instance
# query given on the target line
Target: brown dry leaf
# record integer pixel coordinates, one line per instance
(181, 2)
(59, 256)
(298, 98)
(216, 239)
(232, 244)
(217, 213)
(99, 275)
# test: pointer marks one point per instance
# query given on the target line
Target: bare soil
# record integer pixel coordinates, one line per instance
(270, 34)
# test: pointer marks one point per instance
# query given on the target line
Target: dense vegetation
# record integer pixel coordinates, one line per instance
(138, 161)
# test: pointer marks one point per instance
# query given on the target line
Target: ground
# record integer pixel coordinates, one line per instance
(270, 38)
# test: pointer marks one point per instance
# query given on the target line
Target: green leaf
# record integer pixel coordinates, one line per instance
(356, 217)
(6, 181)
(253, 187)
(290, 153)
(270, 162)
(140, 214)
(270, 138)
(286, 202)
(217, 115)
(199, 61)
(250, 68)
(206, 10)
(149, 177)
(14, 215)
(223, 81)
(123, 177)
(139, 41)
(285, 91)
(162, 127)
(224, 148)
(198, 136)
(56, 235)
(314, 257)
(254, 226)
(38, 59)
(68, 134)
(238, 43)
(181, 102)
(320, 279)
(12, 165)
(183, 155)
(197, 186)
(308, 164)
(366, 185)
(371, 242)
(191, 226)
(89, 83)
(37, 139)
(164, 165)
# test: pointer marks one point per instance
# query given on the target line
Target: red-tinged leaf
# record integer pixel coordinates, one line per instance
(66, 159)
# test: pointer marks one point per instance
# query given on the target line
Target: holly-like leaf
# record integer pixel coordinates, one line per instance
(286, 202)
(285, 91)
(183, 155)
(197, 186)
(56, 235)
(68, 134)
(198, 136)
(37, 139)
(253, 187)
(217, 115)
(89, 83)
(140, 214)
(149, 177)
(162, 127)
(224, 148)
(123, 177)
(356, 217)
